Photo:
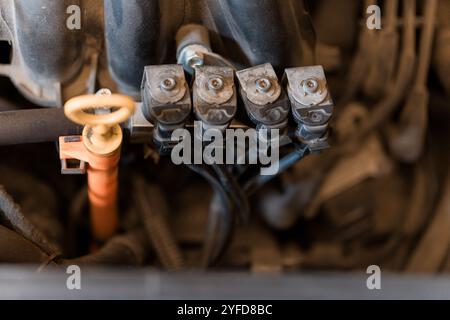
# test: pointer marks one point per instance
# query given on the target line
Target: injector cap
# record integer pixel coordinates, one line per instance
(265, 101)
(311, 104)
(165, 96)
(214, 95)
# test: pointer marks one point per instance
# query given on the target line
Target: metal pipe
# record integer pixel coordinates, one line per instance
(426, 42)
(408, 139)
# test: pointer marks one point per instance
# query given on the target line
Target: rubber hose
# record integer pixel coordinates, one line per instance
(127, 249)
(35, 125)
(13, 214)
(220, 220)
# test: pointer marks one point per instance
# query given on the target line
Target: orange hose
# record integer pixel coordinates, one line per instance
(102, 192)
(102, 185)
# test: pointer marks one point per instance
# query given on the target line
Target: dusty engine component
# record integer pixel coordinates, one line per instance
(312, 106)
(166, 101)
(265, 101)
(214, 95)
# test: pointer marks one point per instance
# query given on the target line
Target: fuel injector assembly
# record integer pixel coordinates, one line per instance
(214, 96)
(166, 101)
(311, 105)
(265, 100)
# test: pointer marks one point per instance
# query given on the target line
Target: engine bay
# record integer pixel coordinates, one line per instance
(263, 137)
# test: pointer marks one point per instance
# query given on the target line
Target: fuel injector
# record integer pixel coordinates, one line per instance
(214, 96)
(166, 102)
(311, 105)
(265, 101)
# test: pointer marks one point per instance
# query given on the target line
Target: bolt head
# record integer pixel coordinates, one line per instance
(263, 85)
(215, 83)
(195, 61)
(310, 85)
(168, 84)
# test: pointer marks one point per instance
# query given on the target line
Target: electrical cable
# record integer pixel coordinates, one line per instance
(256, 182)
(220, 219)
(234, 190)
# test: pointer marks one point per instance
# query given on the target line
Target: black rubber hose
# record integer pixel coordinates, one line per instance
(35, 125)
(256, 182)
(234, 190)
(220, 220)
(38, 202)
(16, 249)
(14, 216)
(219, 232)
(129, 249)
(153, 210)
(249, 41)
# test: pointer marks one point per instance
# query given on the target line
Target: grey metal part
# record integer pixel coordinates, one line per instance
(168, 107)
(314, 137)
(268, 106)
(214, 107)
(306, 105)
(25, 283)
(311, 104)
(141, 130)
(192, 43)
(192, 34)
(261, 94)
(296, 78)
